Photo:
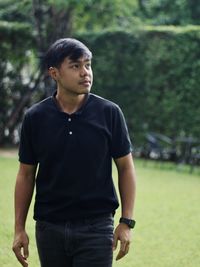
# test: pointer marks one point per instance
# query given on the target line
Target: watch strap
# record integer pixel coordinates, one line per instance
(129, 222)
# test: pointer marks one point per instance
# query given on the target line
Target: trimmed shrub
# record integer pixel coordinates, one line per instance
(153, 73)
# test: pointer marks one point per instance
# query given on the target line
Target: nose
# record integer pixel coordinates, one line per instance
(84, 71)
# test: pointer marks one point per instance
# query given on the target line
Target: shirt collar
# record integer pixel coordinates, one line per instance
(78, 112)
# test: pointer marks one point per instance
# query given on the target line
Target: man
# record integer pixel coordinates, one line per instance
(72, 137)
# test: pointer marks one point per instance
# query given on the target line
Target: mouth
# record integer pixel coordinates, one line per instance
(85, 82)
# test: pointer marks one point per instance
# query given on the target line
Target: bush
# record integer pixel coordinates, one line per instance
(153, 74)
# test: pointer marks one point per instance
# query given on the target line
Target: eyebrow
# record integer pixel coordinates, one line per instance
(71, 61)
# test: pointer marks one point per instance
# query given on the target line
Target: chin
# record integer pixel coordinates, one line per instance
(85, 91)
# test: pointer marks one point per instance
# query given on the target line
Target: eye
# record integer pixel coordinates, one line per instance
(75, 66)
(88, 65)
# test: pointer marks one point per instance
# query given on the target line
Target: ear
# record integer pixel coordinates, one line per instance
(52, 72)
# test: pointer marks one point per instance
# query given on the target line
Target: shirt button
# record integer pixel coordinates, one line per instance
(70, 133)
(69, 119)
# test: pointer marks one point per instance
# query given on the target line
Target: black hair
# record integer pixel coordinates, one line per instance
(66, 47)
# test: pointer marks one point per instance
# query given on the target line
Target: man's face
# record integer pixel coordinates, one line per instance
(74, 76)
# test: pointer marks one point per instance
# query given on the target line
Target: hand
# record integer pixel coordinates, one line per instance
(122, 233)
(20, 247)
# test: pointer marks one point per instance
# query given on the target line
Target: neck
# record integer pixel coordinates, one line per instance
(69, 103)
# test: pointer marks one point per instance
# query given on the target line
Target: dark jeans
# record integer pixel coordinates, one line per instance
(81, 243)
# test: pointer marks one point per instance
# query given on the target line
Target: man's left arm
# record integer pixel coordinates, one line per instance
(127, 190)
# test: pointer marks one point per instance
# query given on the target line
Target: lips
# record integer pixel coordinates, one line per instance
(85, 82)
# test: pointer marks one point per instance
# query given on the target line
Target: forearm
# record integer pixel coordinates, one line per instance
(127, 189)
(23, 195)
(126, 184)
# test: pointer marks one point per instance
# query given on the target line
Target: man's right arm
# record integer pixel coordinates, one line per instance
(23, 194)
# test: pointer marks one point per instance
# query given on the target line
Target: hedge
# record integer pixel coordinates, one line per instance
(153, 73)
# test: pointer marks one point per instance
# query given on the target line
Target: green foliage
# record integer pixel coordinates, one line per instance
(95, 15)
(195, 11)
(16, 40)
(14, 33)
(170, 12)
(29, 27)
(98, 15)
(148, 70)
(12, 10)
(153, 74)
(172, 81)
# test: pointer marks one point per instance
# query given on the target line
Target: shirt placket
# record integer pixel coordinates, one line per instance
(69, 123)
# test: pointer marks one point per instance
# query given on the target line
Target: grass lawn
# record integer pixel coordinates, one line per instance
(167, 213)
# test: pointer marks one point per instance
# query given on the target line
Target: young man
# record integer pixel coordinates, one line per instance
(72, 137)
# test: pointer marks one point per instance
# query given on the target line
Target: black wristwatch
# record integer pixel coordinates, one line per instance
(129, 222)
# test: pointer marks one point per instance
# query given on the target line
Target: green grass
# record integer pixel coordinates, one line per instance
(167, 213)
(8, 170)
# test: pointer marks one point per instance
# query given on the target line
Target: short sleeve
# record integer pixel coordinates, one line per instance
(121, 144)
(26, 151)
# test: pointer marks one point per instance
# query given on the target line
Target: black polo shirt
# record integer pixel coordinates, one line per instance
(74, 156)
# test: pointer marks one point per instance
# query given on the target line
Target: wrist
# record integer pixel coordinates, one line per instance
(129, 222)
(19, 228)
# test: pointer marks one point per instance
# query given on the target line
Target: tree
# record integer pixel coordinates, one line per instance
(39, 23)
(28, 27)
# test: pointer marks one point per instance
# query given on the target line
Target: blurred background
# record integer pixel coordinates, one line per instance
(146, 59)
